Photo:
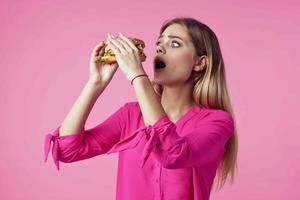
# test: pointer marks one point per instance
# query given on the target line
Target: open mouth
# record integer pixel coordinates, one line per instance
(159, 63)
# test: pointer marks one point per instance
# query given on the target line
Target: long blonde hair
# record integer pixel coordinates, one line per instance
(210, 88)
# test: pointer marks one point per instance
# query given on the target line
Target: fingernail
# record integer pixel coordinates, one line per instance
(120, 34)
(112, 36)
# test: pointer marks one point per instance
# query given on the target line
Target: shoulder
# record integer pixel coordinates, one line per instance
(215, 114)
(215, 119)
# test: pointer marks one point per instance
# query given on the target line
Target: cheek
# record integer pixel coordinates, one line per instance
(182, 61)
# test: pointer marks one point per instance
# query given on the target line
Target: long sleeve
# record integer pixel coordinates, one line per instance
(200, 146)
(87, 143)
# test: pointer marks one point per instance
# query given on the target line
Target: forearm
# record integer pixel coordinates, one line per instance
(76, 118)
(149, 102)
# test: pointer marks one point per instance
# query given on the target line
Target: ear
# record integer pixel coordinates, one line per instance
(200, 63)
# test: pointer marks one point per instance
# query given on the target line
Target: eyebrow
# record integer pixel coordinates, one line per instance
(171, 36)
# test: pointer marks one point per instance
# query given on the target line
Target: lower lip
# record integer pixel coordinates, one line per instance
(159, 69)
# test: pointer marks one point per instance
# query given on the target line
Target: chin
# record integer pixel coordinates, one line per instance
(162, 81)
(157, 80)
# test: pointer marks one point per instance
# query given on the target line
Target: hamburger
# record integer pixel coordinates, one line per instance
(109, 57)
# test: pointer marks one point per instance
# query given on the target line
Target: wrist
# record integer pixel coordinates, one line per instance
(137, 80)
(130, 76)
(97, 87)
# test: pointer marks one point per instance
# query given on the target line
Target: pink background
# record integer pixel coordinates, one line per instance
(44, 53)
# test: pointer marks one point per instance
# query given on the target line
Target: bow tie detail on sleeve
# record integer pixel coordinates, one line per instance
(132, 141)
(150, 133)
(48, 139)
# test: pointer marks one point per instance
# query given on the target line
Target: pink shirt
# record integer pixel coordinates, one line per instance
(167, 160)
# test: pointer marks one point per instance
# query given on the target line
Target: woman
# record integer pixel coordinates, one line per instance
(180, 132)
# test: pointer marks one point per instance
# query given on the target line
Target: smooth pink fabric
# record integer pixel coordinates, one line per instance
(168, 160)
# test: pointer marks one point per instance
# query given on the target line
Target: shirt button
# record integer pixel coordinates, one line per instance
(157, 165)
(156, 180)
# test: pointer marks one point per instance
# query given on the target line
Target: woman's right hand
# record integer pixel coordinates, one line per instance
(100, 72)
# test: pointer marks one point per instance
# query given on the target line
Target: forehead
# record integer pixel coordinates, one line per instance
(176, 30)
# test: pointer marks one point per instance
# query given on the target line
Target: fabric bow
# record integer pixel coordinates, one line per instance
(48, 139)
(133, 140)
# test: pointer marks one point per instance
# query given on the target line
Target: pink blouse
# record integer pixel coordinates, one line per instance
(164, 161)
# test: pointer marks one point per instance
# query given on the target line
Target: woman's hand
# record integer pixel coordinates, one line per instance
(127, 56)
(100, 72)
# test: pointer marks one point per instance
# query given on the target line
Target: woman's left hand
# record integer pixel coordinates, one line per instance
(127, 56)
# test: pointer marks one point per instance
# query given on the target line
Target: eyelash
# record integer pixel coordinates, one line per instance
(172, 42)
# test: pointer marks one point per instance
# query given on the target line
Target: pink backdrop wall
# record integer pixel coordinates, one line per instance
(44, 53)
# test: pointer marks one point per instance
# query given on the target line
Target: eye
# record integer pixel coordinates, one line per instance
(173, 42)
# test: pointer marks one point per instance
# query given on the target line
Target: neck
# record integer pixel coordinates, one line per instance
(176, 100)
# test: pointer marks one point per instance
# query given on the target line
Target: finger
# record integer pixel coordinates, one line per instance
(113, 47)
(129, 42)
(97, 49)
(125, 44)
(102, 49)
(117, 44)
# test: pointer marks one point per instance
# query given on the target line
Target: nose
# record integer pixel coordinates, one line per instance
(159, 49)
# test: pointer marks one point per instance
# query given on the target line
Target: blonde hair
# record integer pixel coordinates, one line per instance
(210, 88)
